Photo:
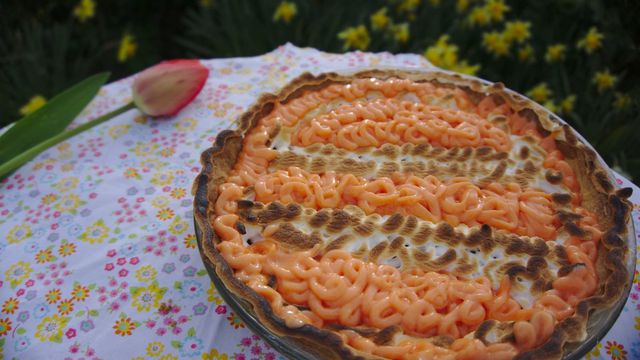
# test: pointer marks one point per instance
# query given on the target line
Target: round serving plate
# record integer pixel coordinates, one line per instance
(599, 323)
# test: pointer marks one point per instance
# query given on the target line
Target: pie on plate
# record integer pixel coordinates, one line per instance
(412, 215)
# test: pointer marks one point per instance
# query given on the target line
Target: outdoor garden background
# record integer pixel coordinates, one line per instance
(579, 58)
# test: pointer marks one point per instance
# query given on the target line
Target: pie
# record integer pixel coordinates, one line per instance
(412, 215)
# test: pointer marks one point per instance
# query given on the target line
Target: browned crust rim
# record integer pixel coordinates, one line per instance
(599, 195)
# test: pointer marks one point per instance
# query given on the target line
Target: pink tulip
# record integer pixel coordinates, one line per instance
(166, 88)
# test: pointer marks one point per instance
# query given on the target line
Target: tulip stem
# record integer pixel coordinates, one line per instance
(19, 160)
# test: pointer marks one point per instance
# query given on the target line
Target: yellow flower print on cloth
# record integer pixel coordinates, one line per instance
(155, 349)
(146, 274)
(17, 273)
(212, 295)
(5, 326)
(10, 305)
(96, 233)
(18, 234)
(69, 203)
(124, 326)
(214, 354)
(79, 293)
(147, 298)
(66, 184)
(178, 226)
(51, 328)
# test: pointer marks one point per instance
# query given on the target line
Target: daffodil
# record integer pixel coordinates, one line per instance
(495, 43)
(604, 80)
(479, 16)
(540, 92)
(621, 101)
(551, 106)
(462, 5)
(380, 20)
(555, 53)
(408, 5)
(445, 55)
(517, 30)
(206, 3)
(401, 32)
(434, 3)
(127, 48)
(496, 9)
(84, 10)
(355, 38)
(34, 104)
(567, 104)
(526, 53)
(286, 11)
(592, 41)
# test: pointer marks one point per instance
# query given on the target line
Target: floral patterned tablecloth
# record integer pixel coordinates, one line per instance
(98, 257)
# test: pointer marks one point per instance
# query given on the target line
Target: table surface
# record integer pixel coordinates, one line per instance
(98, 257)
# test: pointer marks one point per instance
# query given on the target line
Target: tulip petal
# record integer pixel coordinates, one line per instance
(166, 88)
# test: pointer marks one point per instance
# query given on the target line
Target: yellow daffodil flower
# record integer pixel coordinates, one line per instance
(462, 5)
(206, 3)
(401, 32)
(128, 48)
(408, 5)
(286, 11)
(380, 20)
(495, 43)
(592, 41)
(567, 104)
(479, 16)
(551, 106)
(445, 55)
(84, 10)
(540, 92)
(621, 101)
(525, 53)
(496, 9)
(604, 80)
(34, 104)
(555, 53)
(434, 3)
(517, 31)
(355, 38)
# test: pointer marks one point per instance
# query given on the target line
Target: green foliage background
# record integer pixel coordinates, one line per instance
(44, 48)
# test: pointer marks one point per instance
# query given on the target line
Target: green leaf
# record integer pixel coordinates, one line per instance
(202, 272)
(91, 286)
(21, 331)
(80, 313)
(50, 119)
(176, 344)
(122, 315)
(191, 332)
(177, 285)
(93, 312)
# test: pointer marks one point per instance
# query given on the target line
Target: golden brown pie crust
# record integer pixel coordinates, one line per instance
(598, 193)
